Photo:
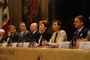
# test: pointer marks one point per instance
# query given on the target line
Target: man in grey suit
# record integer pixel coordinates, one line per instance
(23, 32)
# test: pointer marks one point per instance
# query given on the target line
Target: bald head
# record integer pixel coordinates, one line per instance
(33, 27)
(2, 32)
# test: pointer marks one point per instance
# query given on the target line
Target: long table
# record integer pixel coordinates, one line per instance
(43, 54)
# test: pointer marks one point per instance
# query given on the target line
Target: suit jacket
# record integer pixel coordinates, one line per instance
(45, 36)
(31, 37)
(35, 36)
(79, 35)
(61, 37)
(3, 39)
(88, 36)
(22, 38)
(13, 38)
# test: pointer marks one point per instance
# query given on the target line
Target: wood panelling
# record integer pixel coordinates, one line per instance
(15, 9)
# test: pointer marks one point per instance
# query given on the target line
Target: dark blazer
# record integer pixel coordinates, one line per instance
(28, 37)
(13, 38)
(22, 38)
(45, 36)
(3, 39)
(32, 36)
(81, 34)
(36, 36)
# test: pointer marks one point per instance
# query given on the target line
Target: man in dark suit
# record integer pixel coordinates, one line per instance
(81, 32)
(23, 32)
(34, 31)
(33, 35)
(14, 34)
(2, 37)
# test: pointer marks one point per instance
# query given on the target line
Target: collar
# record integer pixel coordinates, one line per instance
(34, 31)
(22, 31)
(80, 29)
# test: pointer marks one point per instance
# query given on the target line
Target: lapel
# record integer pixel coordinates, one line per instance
(35, 33)
(24, 33)
(81, 33)
(1, 38)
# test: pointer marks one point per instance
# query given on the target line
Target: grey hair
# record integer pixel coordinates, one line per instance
(3, 31)
(11, 26)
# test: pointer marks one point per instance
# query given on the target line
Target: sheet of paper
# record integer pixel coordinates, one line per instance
(25, 45)
(64, 45)
(14, 45)
(84, 45)
(4, 45)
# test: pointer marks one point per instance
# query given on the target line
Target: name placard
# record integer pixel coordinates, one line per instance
(84, 45)
(64, 45)
(26, 45)
(14, 45)
(4, 44)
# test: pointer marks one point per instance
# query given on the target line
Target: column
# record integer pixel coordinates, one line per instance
(44, 9)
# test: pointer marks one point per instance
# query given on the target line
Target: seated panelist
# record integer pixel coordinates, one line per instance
(2, 37)
(44, 33)
(58, 36)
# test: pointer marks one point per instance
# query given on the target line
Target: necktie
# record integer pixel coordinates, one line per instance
(77, 34)
(40, 39)
(55, 38)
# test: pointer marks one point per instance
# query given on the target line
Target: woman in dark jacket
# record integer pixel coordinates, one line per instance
(44, 33)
